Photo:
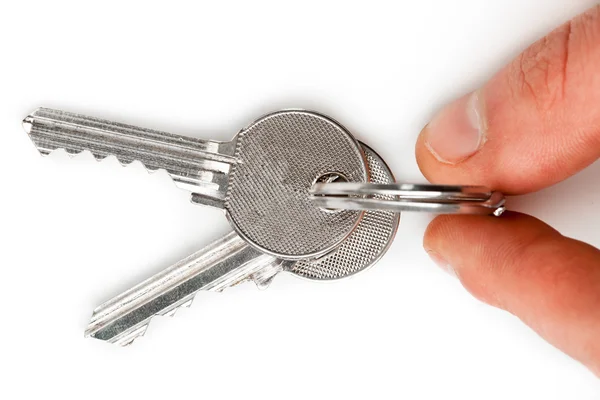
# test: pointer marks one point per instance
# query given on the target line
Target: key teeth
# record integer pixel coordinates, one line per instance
(28, 123)
(98, 157)
(128, 338)
(72, 153)
(172, 311)
(192, 164)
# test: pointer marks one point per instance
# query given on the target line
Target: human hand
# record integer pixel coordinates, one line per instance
(532, 125)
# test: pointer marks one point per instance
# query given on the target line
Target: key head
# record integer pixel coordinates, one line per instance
(366, 244)
(280, 156)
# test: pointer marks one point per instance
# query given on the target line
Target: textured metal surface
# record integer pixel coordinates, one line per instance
(265, 173)
(280, 157)
(230, 261)
(367, 243)
(440, 199)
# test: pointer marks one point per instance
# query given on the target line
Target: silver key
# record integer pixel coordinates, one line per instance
(261, 178)
(230, 261)
(223, 263)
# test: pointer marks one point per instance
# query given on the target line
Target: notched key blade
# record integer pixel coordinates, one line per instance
(129, 337)
(195, 165)
(222, 264)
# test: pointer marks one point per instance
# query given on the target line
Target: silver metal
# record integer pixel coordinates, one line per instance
(441, 199)
(367, 243)
(224, 263)
(261, 178)
(230, 261)
(195, 165)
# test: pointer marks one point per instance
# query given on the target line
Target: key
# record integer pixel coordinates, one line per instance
(223, 263)
(261, 178)
(230, 261)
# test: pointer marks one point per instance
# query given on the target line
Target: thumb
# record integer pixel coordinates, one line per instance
(534, 124)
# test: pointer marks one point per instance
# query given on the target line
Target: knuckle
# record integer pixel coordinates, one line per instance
(540, 73)
(547, 71)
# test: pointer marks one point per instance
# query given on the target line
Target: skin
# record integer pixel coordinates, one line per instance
(541, 117)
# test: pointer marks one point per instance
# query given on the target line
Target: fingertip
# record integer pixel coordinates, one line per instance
(425, 159)
(519, 264)
(438, 230)
(478, 248)
(451, 149)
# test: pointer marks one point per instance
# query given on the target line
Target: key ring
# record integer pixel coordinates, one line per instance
(439, 199)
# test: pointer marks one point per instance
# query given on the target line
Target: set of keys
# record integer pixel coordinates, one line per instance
(301, 194)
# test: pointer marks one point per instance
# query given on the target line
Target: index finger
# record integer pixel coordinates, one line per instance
(532, 125)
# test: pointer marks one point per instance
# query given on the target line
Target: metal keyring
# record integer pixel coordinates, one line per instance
(440, 199)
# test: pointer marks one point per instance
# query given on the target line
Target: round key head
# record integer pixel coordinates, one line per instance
(280, 156)
(366, 244)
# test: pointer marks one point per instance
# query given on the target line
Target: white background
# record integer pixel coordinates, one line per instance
(76, 232)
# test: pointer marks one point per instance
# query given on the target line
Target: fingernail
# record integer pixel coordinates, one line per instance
(458, 131)
(441, 262)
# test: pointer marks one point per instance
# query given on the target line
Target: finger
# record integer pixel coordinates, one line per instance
(534, 124)
(522, 265)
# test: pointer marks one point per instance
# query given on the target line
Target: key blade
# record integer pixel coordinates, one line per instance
(224, 263)
(198, 166)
